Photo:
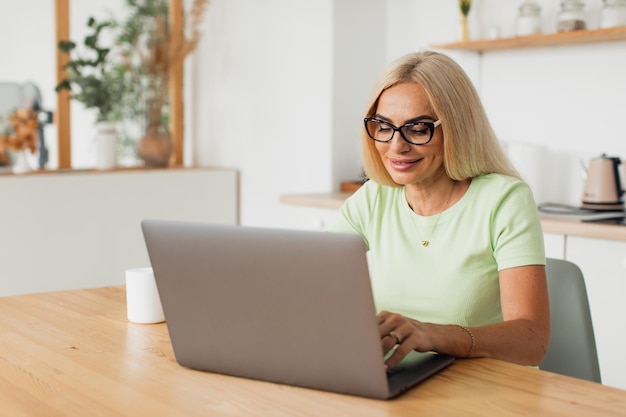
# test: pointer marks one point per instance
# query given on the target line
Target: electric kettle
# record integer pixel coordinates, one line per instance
(603, 187)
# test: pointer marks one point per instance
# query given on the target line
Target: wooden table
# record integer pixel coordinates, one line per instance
(73, 353)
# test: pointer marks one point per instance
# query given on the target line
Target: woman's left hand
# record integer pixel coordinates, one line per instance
(403, 333)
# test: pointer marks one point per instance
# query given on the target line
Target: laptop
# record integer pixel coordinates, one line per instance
(287, 306)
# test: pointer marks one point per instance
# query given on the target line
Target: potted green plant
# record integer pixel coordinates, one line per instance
(92, 77)
(97, 81)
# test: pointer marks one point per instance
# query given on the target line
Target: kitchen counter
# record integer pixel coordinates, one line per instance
(574, 227)
(550, 224)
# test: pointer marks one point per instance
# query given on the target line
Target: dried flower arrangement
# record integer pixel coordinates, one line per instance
(150, 50)
(24, 135)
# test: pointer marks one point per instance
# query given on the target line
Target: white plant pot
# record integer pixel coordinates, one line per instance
(20, 163)
(106, 146)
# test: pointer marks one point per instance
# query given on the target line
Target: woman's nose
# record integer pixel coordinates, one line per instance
(398, 144)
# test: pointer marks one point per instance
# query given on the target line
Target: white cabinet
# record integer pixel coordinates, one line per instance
(71, 230)
(311, 211)
(308, 218)
(603, 263)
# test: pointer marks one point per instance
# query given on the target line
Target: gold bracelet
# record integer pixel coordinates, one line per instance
(471, 349)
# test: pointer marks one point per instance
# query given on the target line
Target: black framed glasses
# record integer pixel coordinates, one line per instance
(416, 133)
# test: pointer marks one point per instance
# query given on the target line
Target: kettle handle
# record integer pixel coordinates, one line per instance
(618, 183)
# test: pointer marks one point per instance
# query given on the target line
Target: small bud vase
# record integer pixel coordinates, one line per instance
(463, 29)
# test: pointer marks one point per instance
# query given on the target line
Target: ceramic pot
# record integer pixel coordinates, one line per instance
(155, 148)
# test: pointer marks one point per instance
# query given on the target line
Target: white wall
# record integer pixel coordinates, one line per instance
(280, 89)
(263, 84)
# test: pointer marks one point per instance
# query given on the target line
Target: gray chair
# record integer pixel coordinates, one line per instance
(572, 349)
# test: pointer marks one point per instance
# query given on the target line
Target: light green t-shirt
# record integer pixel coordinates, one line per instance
(494, 226)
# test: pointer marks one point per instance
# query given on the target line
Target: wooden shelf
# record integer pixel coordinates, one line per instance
(552, 39)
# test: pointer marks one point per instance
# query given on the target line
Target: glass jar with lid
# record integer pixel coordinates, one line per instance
(613, 14)
(529, 19)
(572, 16)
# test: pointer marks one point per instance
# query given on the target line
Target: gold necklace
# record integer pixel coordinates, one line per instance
(426, 242)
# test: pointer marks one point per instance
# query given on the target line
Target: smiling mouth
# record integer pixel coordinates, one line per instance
(403, 164)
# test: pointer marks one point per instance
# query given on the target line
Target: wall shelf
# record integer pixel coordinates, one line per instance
(551, 39)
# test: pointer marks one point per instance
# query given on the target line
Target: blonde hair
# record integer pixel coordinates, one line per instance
(470, 146)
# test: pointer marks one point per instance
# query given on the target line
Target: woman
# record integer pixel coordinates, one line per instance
(455, 243)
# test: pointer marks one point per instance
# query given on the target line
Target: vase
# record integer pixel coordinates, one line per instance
(106, 146)
(463, 29)
(155, 148)
(20, 162)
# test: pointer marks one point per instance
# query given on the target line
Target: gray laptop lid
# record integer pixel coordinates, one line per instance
(293, 307)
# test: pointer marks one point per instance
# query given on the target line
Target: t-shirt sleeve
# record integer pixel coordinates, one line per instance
(516, 229)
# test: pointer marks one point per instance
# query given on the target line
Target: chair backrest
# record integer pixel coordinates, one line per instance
(572, 349)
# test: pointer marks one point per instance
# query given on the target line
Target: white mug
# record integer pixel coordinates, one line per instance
(143, 304)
